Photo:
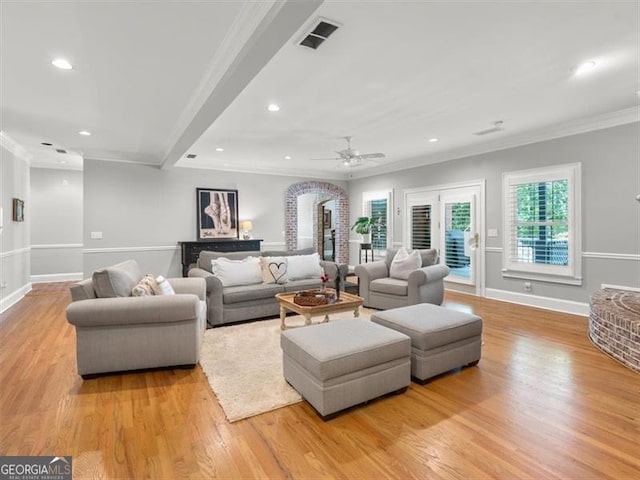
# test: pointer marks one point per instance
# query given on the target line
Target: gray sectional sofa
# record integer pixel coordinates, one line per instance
(245, 302)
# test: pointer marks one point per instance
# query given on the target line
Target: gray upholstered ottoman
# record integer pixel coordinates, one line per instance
(441, 339)
(342, 363)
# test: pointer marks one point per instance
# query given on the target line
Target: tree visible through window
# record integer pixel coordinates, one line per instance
(542, 224)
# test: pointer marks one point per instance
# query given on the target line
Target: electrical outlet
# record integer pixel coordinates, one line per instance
(527, 287)
(4, 285)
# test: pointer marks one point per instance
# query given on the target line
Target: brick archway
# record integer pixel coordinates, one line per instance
(325, 191)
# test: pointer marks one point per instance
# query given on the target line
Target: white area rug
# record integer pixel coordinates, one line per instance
(243, 364)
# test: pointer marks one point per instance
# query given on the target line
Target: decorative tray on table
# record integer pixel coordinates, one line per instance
(312, 298)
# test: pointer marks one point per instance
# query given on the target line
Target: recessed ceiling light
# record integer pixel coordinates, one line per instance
(287, 157)
(63, 162)
(273, 107)
(219, 149)
(585, 67)
(433, 140)
(62, 63)
(85, 133)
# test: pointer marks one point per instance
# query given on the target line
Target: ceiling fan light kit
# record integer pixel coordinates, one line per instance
(350, 157)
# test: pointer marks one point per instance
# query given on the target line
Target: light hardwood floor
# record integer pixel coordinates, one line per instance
(542, 403)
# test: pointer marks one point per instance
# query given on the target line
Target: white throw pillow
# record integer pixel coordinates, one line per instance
(274, 269)
(233, 273)
(300, 267)
(164, 287)
(404, 263)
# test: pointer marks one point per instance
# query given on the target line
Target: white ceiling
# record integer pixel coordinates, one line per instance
(150, 78)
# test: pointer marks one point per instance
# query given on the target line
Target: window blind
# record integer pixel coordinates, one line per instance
(421, 226)
(539, 218)
(542, 224)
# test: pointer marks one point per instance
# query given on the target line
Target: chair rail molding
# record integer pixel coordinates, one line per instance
(162, 248)
(17, 251)
(53, 246)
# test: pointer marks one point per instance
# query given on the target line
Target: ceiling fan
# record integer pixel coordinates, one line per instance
(350, 157)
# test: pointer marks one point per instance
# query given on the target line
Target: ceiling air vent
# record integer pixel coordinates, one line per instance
(192, 155)
(321, 29)
(497, 127)
(59, 150)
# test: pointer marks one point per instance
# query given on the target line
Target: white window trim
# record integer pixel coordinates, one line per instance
(570, 274)
(379, 195)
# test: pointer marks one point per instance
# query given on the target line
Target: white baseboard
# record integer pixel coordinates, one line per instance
(14, 297)
(548, 303)
(56, 277)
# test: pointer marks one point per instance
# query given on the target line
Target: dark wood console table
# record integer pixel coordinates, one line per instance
(191, 250)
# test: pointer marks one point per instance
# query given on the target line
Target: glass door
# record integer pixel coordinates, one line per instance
(446, 219)
(459, 234)
(422, 224)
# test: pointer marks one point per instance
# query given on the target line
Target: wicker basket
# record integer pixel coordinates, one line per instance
(313, 298)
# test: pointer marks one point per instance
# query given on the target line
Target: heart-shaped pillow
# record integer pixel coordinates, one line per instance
(274, 269)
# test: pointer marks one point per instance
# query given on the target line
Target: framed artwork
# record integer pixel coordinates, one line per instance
(18, 210)
(327, 219)
(217, 213)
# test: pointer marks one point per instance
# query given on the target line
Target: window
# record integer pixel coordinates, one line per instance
(542, 235)
(377, 205)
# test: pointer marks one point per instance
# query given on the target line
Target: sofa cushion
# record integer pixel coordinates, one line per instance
(237, 272)
(287, 253)
(205, 257)
(330, 350)
(404, 263)
(250, 292)
(430, 326)
(304, 284)
(390, 286)
(429, 256)
(117, 280)
(274, 269)
(300, 267)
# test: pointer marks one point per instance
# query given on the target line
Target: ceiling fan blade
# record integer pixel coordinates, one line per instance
(369, 156)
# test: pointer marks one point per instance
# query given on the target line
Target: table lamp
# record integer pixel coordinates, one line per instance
(246, 226)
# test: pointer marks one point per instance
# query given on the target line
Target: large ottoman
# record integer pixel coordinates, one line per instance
(441, 339)
(345, 362)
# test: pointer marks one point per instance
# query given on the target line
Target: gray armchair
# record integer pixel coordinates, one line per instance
(116, 332)
(424, 285)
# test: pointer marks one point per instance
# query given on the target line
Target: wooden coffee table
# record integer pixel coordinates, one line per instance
(347, 302)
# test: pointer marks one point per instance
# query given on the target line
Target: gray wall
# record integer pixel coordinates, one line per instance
(610, 215)
(14, 239)
(56, 224)
(143, 212)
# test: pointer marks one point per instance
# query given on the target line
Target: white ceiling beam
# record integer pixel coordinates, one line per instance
(280, 23)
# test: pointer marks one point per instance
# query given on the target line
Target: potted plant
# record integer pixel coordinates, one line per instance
(364, 225)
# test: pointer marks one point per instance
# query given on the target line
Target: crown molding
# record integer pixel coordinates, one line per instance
(14, 147)
(301, 173)
(551, 132)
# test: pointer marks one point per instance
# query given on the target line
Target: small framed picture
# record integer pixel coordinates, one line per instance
(18, 210)
(217, 213)
(327, 219)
